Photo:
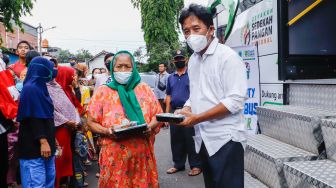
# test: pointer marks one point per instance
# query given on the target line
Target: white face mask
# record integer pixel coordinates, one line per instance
(197, 42)
(122, 77)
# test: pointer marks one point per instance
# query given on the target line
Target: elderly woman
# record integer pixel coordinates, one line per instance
(128, 162)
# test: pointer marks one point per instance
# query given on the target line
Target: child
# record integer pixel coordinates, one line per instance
(80, 155)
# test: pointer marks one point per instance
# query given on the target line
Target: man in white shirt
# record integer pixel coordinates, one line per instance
(218, 88)
(160, 88)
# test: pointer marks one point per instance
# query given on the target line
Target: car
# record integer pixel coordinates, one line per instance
(149, 78)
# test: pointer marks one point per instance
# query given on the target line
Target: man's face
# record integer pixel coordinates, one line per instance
(73, 62)
(22, 50)
(162, 68)
(194, 26)
(108, 62)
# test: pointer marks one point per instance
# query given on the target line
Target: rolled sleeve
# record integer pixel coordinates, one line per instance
(188, 103)
(235, 83)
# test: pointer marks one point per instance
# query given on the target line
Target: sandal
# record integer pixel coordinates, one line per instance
(173, 170)
(195, 172)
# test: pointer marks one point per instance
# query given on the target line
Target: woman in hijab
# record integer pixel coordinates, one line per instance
(128, 162)
(37, 129)
(67, 79)
(66, 118)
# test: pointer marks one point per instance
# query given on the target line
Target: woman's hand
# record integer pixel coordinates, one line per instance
(45, 148)
(72, 124)
(109, 132)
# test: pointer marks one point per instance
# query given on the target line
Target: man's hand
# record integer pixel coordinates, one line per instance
(190, 118)
(45, 148)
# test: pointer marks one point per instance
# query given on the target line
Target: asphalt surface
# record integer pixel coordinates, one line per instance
(164, 161)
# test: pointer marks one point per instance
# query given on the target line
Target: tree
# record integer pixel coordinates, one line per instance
(160, 26)
(13, 10)
(83, 55)
(64, 56)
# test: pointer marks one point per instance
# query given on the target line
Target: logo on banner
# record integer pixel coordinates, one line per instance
(258, 29)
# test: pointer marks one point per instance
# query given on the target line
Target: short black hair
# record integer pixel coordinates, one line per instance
(24, 42)
(108, 56)
(93, 72)
(199, 11)
(30, 56)
(54, 61)
(164, 64)
(108, 64)
(6, 59)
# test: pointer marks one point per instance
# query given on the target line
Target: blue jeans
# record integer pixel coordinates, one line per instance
(38, 173)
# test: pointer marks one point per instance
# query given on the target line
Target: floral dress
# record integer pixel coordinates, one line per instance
(131, 162)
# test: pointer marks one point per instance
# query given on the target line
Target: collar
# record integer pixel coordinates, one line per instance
(185, 72)
(164, 73)
(212, 47)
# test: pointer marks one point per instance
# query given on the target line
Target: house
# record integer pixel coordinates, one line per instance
(97, 61)
(10, 40)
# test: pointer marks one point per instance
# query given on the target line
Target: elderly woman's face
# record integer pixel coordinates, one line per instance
(123, 64)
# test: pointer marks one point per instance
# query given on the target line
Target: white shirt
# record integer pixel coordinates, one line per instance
(164, 79)
(219, 76)
(101, 79)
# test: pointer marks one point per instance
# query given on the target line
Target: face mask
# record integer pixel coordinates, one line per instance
(19, 86)
(122, 77)
(72, 64)
(180, 64)
(197, 42)
(54, 73)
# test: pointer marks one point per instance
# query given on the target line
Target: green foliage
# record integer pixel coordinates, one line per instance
(13, 10)
(64, 56)
(83, 55)
(160, 26)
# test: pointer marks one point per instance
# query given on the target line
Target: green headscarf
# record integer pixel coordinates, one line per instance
(126, 92)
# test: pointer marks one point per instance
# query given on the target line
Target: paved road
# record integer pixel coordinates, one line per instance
(163, 158)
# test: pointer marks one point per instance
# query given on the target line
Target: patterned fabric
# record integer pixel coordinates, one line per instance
(264, 158)
(130, 162)
(251, 182)
(329, 136)
(85, 91)
(298, 126)
(311, 174)
(64, 110)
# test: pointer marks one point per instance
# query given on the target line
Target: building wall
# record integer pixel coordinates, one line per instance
(97, 63)
(10, 40)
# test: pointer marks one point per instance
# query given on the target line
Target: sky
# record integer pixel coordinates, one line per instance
(98, 25)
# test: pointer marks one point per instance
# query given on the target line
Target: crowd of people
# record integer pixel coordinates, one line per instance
(54, 120)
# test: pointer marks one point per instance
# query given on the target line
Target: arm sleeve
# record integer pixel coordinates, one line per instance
(59, 119)
(7, 123)
(235, 83)
(95, 106)
(39, 127)
(188, 103)
(168, 88)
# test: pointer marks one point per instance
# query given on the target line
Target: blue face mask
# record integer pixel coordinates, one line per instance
(51, 74)
(19, 86)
